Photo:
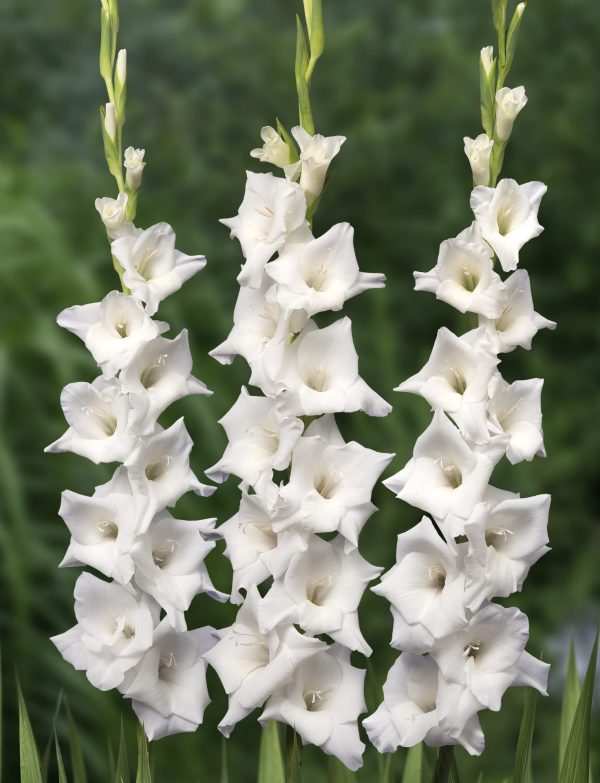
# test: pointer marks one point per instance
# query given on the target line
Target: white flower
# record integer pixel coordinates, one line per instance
(464, 277)
(153, 268)
(159, 468)
(478, 152)
(260, 439)
(445, 476)
(98, 418)
(134, 166)
(330, 484)
(252, 665)
(518, 323)
(320, 374)
(488, 655)
(516, 410)
(486, 57)
(168, 687)
(504, 540)
(271, 210)
(316, 154)
(110, 120)
(157, 375)
(112, 329)
(414, 708)
(322, 703)
(113, 213)
(427, 583)
(114, 629)
(507, 217)
(274, 149)
(320, 274)
(456, 379)
(320, 592)
(509, 103)
(169, 565)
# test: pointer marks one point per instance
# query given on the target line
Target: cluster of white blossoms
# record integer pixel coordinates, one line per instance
(131, 631)
(299, 479)
(460, 650)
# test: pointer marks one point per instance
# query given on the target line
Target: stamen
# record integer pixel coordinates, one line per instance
(108, 528)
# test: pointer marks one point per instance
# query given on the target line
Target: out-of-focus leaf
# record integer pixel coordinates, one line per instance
(62, 775)
(338, 773)
(143, 762)
(28, 753)
(454, 777)
(122, 769)
(224, 762)
(77, 763)
(385, 767)
(571, 693)
(270, 760)
(413, 767)
(293, 757)
(522, 768)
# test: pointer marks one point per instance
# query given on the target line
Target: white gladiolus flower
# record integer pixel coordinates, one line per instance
(322, 703)
(445, 475)
(507, 217)
(114, 629)
(97, 414)
(113, 213)
(426, 585)
(121, 66)
(509, 103)
(153, 268)
(504, 541)
(518, 323)
(515, 410)
(320, 592)
(464, 277)
(156, 376)
(252, 665)
(274, 149)
(261, 439)
(320, 274)
(456, 379)
(134, 163)
(112, 330)
(488, 656)
(478, 152)
(168, 687)
(415, 709)
(486, 57)
(316, 154)
(271, 210)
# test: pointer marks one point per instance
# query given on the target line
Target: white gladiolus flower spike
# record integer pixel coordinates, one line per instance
(507, 217)
(274, 149)
(509, 103)
(134, 163)
(316, 154)
(153, 268)
(516, 410)
(478, 152)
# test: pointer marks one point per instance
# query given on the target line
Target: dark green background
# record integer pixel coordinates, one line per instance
(400, 80)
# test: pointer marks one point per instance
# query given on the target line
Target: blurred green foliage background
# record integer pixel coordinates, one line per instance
(400, 80)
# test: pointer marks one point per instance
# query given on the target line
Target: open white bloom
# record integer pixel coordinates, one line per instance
(415, 709)
(98, 417)
(445, 475)
(274, 149)
(154, 269)
(112, 329)
(252, 665)
(272, 209)
(456, 379)
(515, 410)
(464, 277)
(114, 629)
(320, 274)
(322, 703)
(113, 213)
(478, 152)
(518, 323)
(261, 439)
(320, 374)
(157, 375)
(504, 541)
(168, 687)
(507, 217)
(320, 592)
(134, 163)
(509, 103)
(316, 154)
(488, 655)
(426, 585)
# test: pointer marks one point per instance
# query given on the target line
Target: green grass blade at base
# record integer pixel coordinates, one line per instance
(522, 768)
(224, 761)
(122, 769)
(270, 759)
(385, 768)
(571, 693)
(143, 774)
(60, 765)
(77, 762)
(414, 767)
(338, 772)
(29, 760)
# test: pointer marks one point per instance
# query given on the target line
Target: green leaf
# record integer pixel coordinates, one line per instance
(283, 132)
(571, 692)
(454, 777)
(62, 775)
(143, 762)
(270, 760)
(576, 764)
(522, 768)
(385, 767)
(122, 769)
(29, 759)
(338, 773)
(293, 757)
(77, 763)
(413, 767)
(1, 703)
(513, 33)
(305, 112)
(224, 763)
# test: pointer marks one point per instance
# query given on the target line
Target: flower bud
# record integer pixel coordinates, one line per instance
(122, 66)
(112, 211)
(487, 60)
(134, 164)
(478, 151)
(509, 103)
(110, 121)
(274, 149)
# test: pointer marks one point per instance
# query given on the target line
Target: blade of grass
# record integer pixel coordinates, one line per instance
(1, 705)
(143, 762)
(454, 777)
(385, 768)
(62, 775)
(413, 767)
(29, 760)
(122, 771)
(522, 768)
(571, 693)
(270, 758)
(338, 773)
(224, 762)
(77, 763)
(51, 739)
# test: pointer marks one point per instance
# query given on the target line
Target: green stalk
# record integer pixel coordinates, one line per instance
(444, 764)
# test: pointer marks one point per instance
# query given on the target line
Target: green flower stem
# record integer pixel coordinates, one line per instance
(444, 764)
(293, 755)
